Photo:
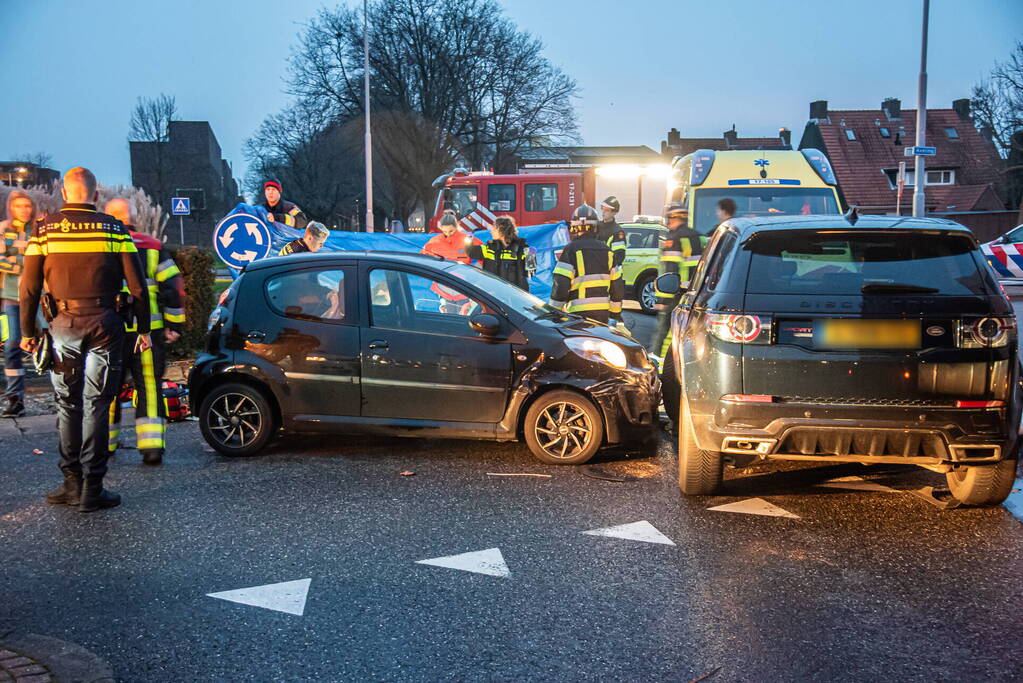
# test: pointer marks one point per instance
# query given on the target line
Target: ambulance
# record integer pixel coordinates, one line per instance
(760, 182)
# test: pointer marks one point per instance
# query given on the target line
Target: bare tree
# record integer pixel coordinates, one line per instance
(997, 109)
(40, 159)
(151, 117)
(449, 81)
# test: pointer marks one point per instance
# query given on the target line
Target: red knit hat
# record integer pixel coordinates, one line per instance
(272, 183)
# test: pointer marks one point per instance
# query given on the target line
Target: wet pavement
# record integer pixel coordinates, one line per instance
(820, 573)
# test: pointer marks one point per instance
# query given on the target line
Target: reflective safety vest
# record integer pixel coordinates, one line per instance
(166, 303)
(587, 282)
(680, 253)
(509, 262)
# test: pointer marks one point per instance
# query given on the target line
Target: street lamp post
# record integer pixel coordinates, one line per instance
(919, 172)
(369, 136)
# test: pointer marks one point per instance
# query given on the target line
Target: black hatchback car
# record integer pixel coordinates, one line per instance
(412, 345)
(841, 339)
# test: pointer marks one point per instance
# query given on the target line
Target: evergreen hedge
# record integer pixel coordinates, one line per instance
(196, 267)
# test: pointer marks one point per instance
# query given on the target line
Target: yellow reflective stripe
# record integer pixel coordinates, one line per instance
(5, 328)
(149, 383)
(166, 271)
(487, 252)
(565, 269)
(294, 211)
(573, 307)
(174, 315)
(288, 219)
(616, 306)
(691, 262)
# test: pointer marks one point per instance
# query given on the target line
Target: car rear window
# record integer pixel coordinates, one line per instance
(855, 262)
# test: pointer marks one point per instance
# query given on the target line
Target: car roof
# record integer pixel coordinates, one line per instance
(392, 257)
(748, 226)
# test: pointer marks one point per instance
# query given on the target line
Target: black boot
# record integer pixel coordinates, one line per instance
(152, 456)
(13, 407)
(69, 493)
(95, 497)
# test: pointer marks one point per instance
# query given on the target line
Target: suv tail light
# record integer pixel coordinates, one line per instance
(983, 333)
(740, 328)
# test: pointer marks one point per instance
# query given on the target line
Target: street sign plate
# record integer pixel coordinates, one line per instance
(921, 151)
(181, 206)
(240, 239)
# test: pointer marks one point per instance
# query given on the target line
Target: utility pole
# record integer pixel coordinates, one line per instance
(369, 136)
(919, 172)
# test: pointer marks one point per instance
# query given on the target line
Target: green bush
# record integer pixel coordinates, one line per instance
(196, 267)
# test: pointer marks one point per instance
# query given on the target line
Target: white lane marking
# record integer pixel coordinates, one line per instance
(636, 531)
(1014, 502)
(489, 562)
(856, 484)
(755, 506)
(288, 597)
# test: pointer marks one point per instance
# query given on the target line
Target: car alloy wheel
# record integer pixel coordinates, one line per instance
(648, 296)
(563, 430)
(235, 420)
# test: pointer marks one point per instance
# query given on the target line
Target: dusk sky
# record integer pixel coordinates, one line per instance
(643, 67)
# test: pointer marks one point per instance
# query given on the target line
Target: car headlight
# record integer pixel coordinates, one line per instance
(597, 350)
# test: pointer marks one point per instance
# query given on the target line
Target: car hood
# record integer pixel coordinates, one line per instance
(582, 327)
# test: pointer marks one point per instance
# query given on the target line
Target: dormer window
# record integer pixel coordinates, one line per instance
(951, 133)
(885, 133)
(850, 134)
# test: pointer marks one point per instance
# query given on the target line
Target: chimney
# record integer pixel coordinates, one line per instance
(786, 137)
(819, 110)
(962, 107)
(892, 107)
(674, 138)
(731, 138)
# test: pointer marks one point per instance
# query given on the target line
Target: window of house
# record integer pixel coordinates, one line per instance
(310, 294)
(541, 196)
(850, 134)
(952, 133)
(941, 177)
(885, 133)
(501, 197)
(934, 177)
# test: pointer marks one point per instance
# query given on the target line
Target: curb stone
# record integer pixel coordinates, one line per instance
(32, 658)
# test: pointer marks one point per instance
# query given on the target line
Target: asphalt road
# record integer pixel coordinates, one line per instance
(850, 585)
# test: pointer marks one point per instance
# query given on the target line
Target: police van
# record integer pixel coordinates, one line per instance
(760, 182)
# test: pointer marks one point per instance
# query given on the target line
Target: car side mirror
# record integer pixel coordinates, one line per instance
(669, 283)
(485, 324)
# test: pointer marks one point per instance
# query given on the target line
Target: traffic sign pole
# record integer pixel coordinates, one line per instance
(181, 229)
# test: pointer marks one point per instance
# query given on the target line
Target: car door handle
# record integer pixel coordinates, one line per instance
(379, 345)
(256, 336)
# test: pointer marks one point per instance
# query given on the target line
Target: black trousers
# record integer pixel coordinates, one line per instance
(146, 369)
(87, 349)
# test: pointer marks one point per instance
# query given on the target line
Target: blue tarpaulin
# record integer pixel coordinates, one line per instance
(545, 239)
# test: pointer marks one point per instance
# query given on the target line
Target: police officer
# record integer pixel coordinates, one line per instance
(315, 237)
(506, 256)
(166, 320)
(608, 230)
(280, 210)
(586, 280)
(680, 253)
(82, 257)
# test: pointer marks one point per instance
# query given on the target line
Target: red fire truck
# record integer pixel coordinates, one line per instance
(478, 197)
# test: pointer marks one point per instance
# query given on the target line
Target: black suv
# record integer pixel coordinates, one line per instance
(411, 345)
(874, 339)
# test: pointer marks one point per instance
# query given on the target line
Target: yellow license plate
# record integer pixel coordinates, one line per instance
(867, 334)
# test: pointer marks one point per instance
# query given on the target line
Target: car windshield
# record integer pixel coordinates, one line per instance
(517, 299)
(766, 200)
(864, 263)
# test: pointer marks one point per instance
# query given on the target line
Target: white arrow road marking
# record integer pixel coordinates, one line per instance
(1015, 500)
(856, 484)
(755, 506)
(228, 236)
(288, 597)
(247, 256)
(636, 531)
(489, 562)
(253, 230)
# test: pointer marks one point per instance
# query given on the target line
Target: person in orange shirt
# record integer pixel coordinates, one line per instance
(451, 245)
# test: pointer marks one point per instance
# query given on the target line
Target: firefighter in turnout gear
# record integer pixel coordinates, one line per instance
(586, 280)
(506, 256)
(680, 253)
(315, 237)
(82, 257)
(279, 210)
(608, 230)
(167, 318)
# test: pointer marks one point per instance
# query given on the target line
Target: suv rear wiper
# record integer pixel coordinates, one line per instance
(895, 287)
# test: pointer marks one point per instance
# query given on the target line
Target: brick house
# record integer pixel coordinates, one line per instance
(865, 146)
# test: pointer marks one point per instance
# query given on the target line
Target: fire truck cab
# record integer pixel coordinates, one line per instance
(478, 197)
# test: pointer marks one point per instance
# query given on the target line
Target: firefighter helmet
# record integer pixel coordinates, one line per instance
(676, 210)
(584, 221)
(611, 203)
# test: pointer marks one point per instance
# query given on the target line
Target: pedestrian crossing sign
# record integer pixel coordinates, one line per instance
(181, 206)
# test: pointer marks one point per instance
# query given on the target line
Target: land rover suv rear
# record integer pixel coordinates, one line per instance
(875, 339)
